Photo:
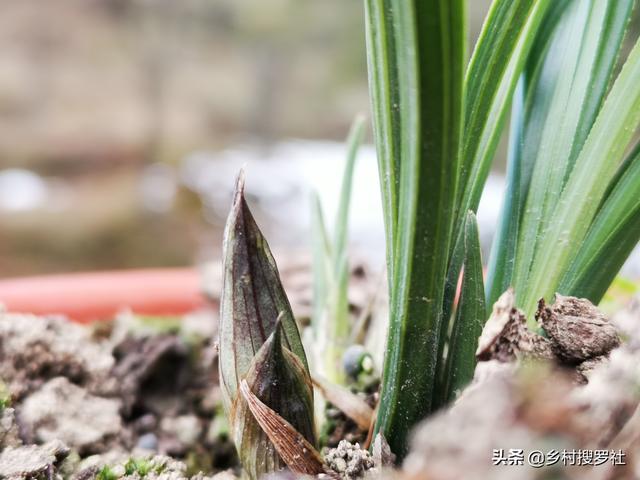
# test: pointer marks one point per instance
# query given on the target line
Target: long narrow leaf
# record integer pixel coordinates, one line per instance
(321, 264)
(611, 238)
(340, 232)
(594, 168)
(385, 100)
(338, 321)
(504, 247)
(450, 288)
(498, 59)
(331, 270)
(429, 54)
(470, 316)
(570, 86)
(495, 66)
(528, 115)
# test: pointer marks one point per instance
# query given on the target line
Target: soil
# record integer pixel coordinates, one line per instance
(139, 398)
(106, 395)
(92, 402)
(572, 395)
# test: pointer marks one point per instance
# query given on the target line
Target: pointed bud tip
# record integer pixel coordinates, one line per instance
(275, 339)
(238, 193)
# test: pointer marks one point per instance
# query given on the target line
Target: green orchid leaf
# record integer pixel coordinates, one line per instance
(496, 64)
(384, 89)
(322, 275)
(340, 232)
(426, 63)
(612, 236)
(564, 93)
(498, 59)
(470, 316)
(504, 247)
(594, 169)
(530, 108)
(451, 285)
(331, 322)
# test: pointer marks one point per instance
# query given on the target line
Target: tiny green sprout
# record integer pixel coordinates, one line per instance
(331, 322)
(219, 428)
(140, 466)
(130, 467)
(5, 396)
(106, 473)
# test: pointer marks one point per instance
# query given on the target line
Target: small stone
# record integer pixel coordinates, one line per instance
(224, 475)
(148, 441)
(185, 428)
(145, 423)
(339, 465)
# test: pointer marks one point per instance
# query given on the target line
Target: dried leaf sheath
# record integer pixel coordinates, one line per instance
(252, 298)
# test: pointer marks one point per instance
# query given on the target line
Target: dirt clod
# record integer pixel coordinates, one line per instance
(150, 370)
(36, 349)
(506, 337)
(577, 329)
(537, 406)
(32, 461)
(9, 436)
(64, 411)
(349, 460)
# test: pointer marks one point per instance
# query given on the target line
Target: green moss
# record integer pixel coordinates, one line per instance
(106, 473)
(140, 466)
(5, 396)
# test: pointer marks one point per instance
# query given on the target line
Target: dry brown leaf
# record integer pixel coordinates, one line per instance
(350, 404)
(299, 455)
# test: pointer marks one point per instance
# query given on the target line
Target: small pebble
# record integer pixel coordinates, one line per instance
(148, 441)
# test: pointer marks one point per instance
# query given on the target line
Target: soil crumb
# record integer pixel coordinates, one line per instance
(34, 350)
(63, 411)
(348, 460)
(32, 462)
(577, 329)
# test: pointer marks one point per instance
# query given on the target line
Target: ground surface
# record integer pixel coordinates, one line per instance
(139, 398)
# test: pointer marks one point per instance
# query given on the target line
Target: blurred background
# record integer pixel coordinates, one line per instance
(124, 122)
